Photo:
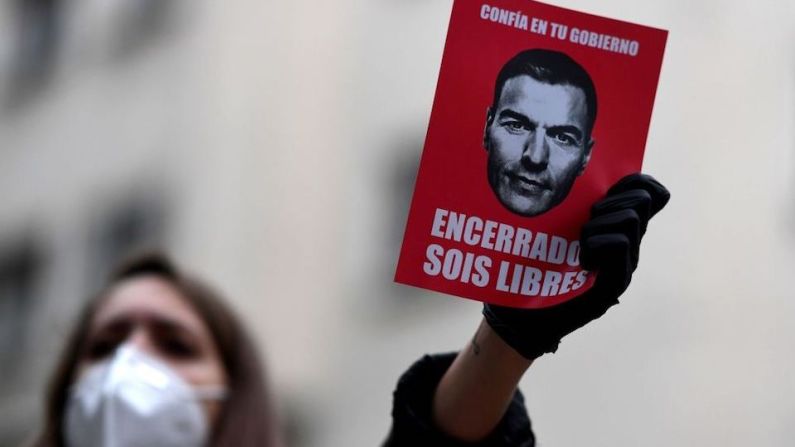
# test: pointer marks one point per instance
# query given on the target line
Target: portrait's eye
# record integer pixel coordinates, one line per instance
(565, 139)
(515, 127)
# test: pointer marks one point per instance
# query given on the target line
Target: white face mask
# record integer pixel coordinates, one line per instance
(135, 400)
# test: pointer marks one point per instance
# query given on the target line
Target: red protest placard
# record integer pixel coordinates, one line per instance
(538, 110)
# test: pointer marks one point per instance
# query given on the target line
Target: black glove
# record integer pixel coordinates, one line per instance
(610, 245)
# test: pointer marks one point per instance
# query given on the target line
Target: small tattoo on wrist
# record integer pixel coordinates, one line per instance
(475, 345)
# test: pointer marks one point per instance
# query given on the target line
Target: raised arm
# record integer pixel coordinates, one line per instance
(478, 387)
(474, 392)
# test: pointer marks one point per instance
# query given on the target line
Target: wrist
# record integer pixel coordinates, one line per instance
(475, 392)
(488, 348)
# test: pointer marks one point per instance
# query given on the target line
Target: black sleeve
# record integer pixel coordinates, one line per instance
(412, 423)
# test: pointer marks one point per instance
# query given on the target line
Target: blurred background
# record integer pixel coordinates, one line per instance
(271, 147)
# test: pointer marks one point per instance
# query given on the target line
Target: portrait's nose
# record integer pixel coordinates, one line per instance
(536, 150)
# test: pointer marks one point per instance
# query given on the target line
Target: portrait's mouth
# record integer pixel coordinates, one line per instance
(527, 185)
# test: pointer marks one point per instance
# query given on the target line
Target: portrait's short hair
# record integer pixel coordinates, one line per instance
(550, 67)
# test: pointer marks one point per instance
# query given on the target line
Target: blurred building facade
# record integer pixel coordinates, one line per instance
(220, 135)
(271, 148)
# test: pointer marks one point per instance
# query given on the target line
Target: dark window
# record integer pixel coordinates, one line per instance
(20, 271)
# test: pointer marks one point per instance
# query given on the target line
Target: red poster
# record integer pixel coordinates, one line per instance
(538, 110)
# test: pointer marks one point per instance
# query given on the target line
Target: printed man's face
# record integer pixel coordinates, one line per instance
(537, 142)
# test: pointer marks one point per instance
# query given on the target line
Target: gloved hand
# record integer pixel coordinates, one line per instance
(610, 245)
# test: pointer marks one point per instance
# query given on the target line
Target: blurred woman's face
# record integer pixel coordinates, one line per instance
(150, 314)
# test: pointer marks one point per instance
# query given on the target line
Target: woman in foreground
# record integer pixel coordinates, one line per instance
(157, 359)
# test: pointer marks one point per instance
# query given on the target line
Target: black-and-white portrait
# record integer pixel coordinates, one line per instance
(538, 130)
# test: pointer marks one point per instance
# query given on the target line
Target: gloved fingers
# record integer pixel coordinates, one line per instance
(615, 272)
(606, 254)
(619, 227)
(636, 199)
(658, 193)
